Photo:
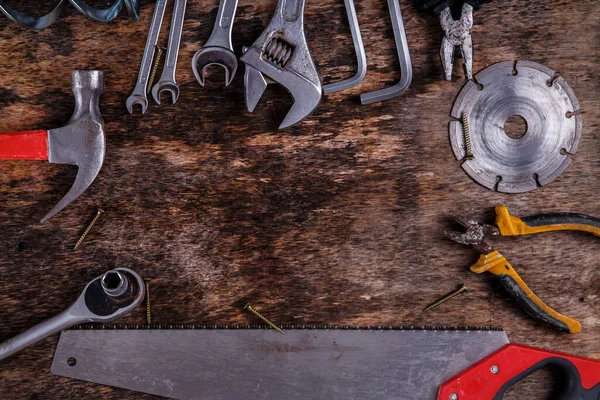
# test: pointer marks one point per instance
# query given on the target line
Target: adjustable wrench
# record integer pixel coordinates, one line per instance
(138, 96)
(281, 54)
(218, 48)
(167, 79)
(105, 299)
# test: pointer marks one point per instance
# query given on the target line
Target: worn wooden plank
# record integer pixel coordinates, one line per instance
(336, 221)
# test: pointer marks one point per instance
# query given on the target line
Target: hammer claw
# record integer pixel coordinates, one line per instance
(81, 142)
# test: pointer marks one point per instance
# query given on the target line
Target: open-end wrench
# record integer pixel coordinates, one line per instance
(167, 79)
(138, 96)
(403, 55)
(105, 299)
(218, 48)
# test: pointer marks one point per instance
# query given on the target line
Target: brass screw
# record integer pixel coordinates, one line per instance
(259, 315)
(159, 52)
(148, 314)
(87, 230)
(462, 288)
(465, 124)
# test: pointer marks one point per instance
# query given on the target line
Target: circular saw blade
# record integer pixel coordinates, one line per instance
(543, 99)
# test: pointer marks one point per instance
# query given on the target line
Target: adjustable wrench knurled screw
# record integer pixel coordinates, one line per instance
(105, 299)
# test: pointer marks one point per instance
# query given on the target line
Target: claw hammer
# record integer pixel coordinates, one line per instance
(81, 142)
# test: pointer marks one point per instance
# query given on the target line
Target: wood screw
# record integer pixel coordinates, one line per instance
(259, 315)
(461, 289)
(87, 230)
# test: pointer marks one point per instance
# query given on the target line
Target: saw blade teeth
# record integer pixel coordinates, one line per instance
(286, 327)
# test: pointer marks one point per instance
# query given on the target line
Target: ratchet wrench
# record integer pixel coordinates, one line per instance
(167, 80)
(138, 96)
(105, 299)
(218, 49)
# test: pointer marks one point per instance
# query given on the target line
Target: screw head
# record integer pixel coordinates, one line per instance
(494, 369)
(453, 396)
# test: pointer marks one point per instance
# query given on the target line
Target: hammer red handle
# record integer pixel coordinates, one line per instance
(491, 377)
(25, 145)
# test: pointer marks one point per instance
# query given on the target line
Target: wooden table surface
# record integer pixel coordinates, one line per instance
(335, 221)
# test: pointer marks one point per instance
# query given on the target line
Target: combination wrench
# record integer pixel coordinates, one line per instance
(138, 96)
(218, 49)
(105, 299)
(167, 79)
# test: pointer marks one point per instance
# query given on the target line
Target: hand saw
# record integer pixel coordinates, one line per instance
(310, 362)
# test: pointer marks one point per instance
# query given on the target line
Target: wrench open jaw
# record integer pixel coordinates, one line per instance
(281, 54)
(137, 99)
(218, 49)
(214, 55)
(165, 86)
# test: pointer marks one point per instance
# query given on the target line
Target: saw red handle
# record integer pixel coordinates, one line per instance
(491, 377)
(25, 145)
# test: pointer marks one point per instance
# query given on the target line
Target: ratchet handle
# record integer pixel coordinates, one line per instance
(37, 333)
(510, 225)
(25, 145)
(497, 264)
(491, 377)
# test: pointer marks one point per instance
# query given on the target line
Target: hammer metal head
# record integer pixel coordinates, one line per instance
(81, 142)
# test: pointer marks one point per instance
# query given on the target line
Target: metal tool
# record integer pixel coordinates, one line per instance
(197, 362)
(550, 109)
(263, 318)
(89, 227)
(102, 15)
(167, 80)
(105, 299)
(477, 235)
(81, 142)
(138, 96)
(451, 295)
(403, 56)
(281, 54)
(218, 49)
(359, 49)
(456, 19)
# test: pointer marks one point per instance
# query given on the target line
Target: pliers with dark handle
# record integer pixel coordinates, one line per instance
(494, 262)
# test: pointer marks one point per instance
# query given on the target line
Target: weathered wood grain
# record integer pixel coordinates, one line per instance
(336, 221)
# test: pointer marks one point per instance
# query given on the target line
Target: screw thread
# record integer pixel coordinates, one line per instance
(89, 227)
(159, 52)
(444, 299)
(468, 146)
(259, 315)
(148, 313)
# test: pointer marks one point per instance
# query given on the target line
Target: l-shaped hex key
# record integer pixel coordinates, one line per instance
(403, 55)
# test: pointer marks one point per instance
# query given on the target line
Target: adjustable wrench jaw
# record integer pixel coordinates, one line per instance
(281, 54)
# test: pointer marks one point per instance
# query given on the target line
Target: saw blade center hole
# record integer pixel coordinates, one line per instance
(515, 127)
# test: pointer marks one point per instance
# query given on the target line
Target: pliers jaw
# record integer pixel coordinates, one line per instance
(475, 234)
(457, 33)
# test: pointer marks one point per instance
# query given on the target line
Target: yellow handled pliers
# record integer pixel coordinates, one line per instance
(492, 261)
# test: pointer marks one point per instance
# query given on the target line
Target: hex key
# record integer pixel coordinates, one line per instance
(403, 56)
(359, 49)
